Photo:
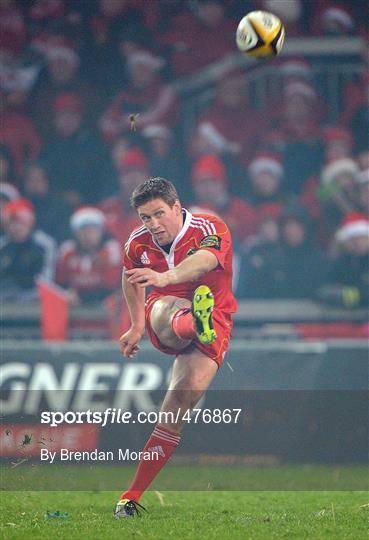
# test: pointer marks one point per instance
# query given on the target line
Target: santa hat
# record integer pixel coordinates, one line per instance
(340, 16)
(337, 167)
(362, 177)
(266, 162)
(354, 224)
(209, 167)
(134, 158)
(21, 209)
(8, 191)
(299, 88)
(68, 101)
(87, 216)
(335, 133)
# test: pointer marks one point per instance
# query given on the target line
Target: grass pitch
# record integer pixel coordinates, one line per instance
(190, 514)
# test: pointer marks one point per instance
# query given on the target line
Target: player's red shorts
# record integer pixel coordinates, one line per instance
(222, 323)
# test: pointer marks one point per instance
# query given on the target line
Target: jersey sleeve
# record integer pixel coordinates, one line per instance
(130, 259)
(218, 241)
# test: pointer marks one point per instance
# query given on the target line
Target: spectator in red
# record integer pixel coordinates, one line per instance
(146, 97)
(298, 135)
(89, 265)
(199, 37)
(26, 254)
(75, 156)
(229, 126)
(19, 135)
(265, 191)
(120, 218)
(210, 187)
(52, 212)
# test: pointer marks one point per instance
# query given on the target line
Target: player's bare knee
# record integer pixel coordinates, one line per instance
(161, 320)
(161, 314)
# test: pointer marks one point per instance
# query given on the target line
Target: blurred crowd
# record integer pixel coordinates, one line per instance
(89, 110)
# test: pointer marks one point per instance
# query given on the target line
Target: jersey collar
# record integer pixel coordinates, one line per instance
(169, 257)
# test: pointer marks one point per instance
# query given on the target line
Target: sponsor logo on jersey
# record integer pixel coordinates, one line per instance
(145, 258)
(211, 241)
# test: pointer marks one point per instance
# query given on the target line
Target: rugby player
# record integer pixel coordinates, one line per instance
(186, 259)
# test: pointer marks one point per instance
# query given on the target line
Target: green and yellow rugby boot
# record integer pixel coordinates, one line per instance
(202, 308)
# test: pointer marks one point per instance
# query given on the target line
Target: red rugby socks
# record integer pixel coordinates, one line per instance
(161, 446)
(183, 324)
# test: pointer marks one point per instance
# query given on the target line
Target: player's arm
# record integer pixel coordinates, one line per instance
(135, 298)
(190, 269)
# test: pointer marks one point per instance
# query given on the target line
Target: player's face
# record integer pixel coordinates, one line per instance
(163, 222)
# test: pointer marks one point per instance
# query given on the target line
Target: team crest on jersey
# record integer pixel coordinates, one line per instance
(211, 241)
(145, 258)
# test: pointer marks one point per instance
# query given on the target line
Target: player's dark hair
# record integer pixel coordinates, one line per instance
(154, 188)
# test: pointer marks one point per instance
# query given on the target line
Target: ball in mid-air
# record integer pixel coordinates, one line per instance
(260, 34)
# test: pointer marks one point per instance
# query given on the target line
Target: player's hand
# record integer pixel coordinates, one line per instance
(129, 342)
(144, 277)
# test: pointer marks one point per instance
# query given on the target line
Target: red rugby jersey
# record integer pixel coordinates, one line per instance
(199, 231)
